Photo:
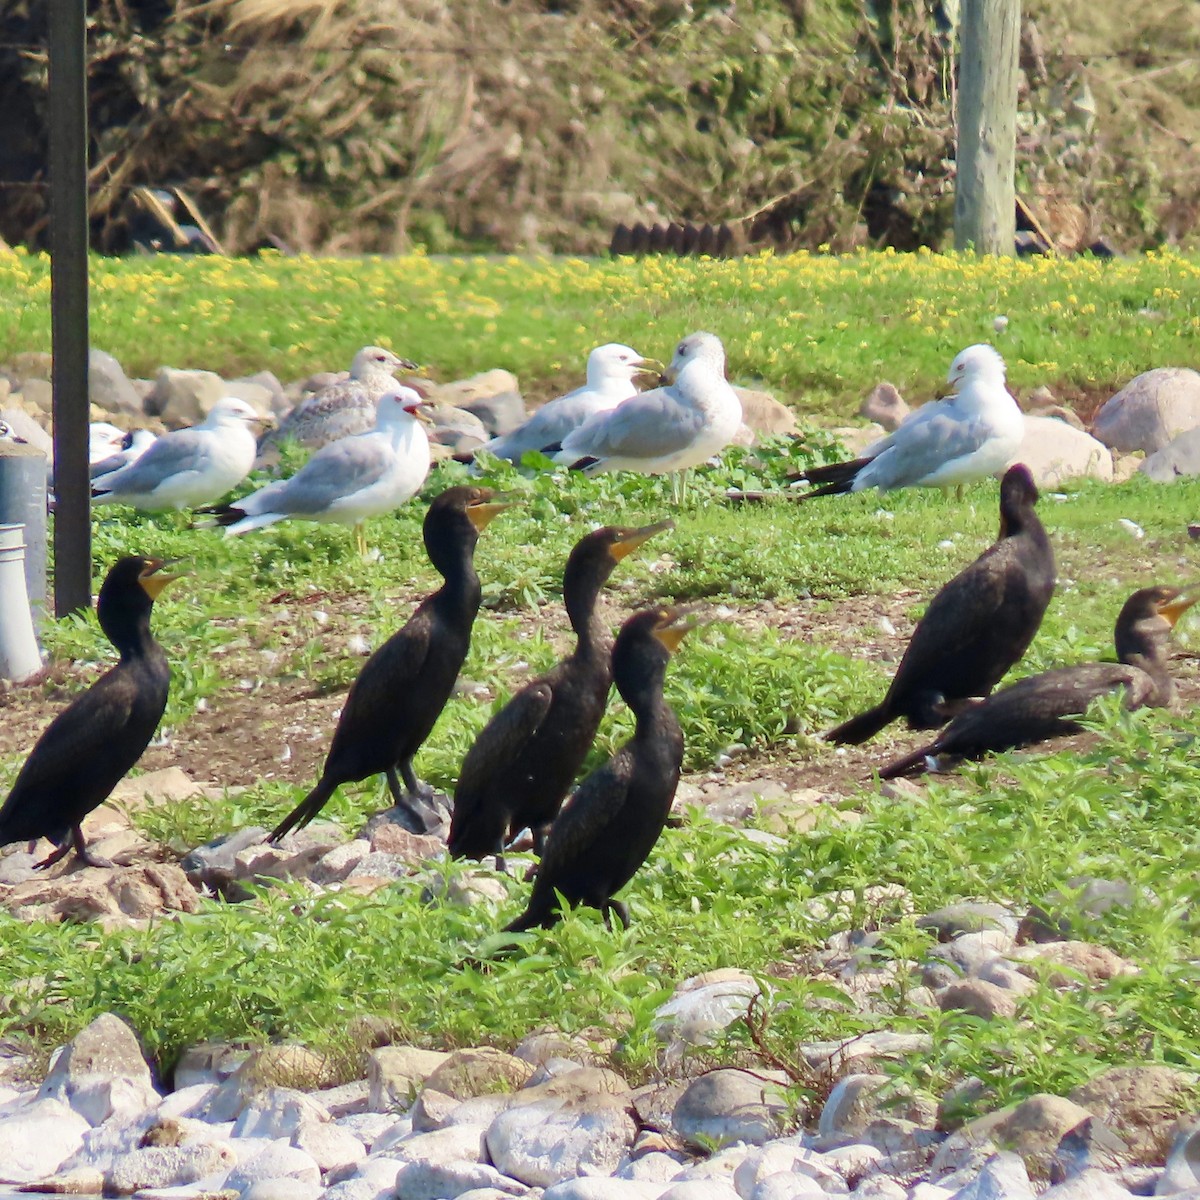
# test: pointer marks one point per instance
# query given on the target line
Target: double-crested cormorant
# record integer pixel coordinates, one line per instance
(400, 692)
(90, 746)
(946, 443)
(976, 627)
(526, 758)
(607, 829)
(1046, 705)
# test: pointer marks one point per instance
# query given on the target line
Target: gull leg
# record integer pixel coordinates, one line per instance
(360, 539)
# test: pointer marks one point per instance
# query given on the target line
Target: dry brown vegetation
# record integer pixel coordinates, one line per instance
(369, 125)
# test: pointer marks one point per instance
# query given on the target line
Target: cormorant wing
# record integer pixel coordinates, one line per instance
(504, 737)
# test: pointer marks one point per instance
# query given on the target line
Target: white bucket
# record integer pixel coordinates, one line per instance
(19, 656)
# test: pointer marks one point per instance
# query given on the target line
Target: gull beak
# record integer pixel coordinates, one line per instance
(674, 625)
(421, 412)
(406, 364)
(155, 576)
(631, 539)
(650, 368)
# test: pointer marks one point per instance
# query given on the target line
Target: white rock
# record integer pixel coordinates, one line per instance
(1003, 1178)
(396, 1073)
(654, 1167)
(1182, 1170)
(36, 1141)
(446, 1181)
(189, 1101)
(166, 1166)
(857, 1159)
(702, 1007)
(369, 1127)
(1179, 457)
(454, 1143)
(329, 1146)
(550, 1141)
(276, 1160)
(599, 1188)
(282, 1189)
(700, 1189)
(1091, 1184)
(1054, 451)
(786, 1185)
(880, 1187)
(929, 1191)
(727, 1106)
(374, 1179)
(788, 1159)
(277, 1113)
(1150, 410)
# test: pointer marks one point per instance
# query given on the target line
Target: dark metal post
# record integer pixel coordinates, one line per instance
(69, 304)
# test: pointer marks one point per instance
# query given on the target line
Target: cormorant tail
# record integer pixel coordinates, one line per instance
(306, 809)
(861, 728)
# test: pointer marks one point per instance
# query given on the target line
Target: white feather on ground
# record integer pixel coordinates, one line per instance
(188, 467)
(345, 482)
(611, 371)
(668, 429)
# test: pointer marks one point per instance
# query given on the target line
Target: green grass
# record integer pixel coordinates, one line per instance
(820, 331)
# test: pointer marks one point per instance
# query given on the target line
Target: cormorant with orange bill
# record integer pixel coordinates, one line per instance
(608, 828)
(93, 743)
(976, 627)
(399, 694)
(1049, 705)
(527, 756)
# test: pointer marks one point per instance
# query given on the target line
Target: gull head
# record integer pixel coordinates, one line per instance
(373, 361)
(401, 404)
(614, 363)
(699, 348)
(230, 412)
(980, 361)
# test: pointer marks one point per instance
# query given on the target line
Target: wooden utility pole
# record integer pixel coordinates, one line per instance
(985, 195)
(69, 305)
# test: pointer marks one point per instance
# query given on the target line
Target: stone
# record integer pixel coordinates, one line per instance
(545, 1044)
(786, 1185)
(859, 1100)
(1003, 1178)
(702, 1007)
(24, 426)
(213, 866)
(880, 1187)
(31, 364)
(478, 1071)
(288, 1065)
(183, 397)
(166, 1166)
(728, 1105)
(368, 1127)
(858, 1053)
(765, 415)
(651, 1166)
(1094, 963)
(1145, 1105)
(544, 1143)
(784, 1160)
(109, 387)
(268, 384)
(500, 414)
(885, 406)
(36, 396)
(1091, 1184)
(1179, 458)
(1091, 1145)
(1074, 911)
(1055, 451)
(1150, 410)
(577, 1084)
(340, 862)
(125, 897)
(930, 1191)
(101, 1073)
(267, 1112)
(36, 1140)
(979, 998)
(373, 1179)
(465, 393)
(968, 916)
(454, 1143)
(447, 1181)
(700, 1189)
(1182, 1171)
(600, 1188)
(1033, 1129)
(282, 1189)
(208, 1063)
(276, 1160)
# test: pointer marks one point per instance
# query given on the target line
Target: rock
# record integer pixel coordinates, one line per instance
(545, 1044)
(702, 1007)
(979, 998)
(387, 836)
(968, 916)
(1182, 1172)
(496, 392)
(1055, 451)
(544, 1143)
(765, 415)
(580, 1083)
(454, 1143)
(1146, 1106)
(930, 1191)
(477, 1072)
(858, 1100)
(1096, 964)
(727, 1106)
(287, 1065)
(447, 1181)
(277, 399)
(31, 364)
(271, 1112)
(396, 1073)
(36, 1140)
(500, 414)
(257, 395)
(599, 1188)
(700, 1189)
(1033, 1129)
(455, 428)
(24, 426)
(885, 406)
(208, 1063)
(1003, 1178)
(109, 387)
(166, 1166)
(775, 1171)
(880, 1187)
(340, 862)
(101, 1073)
(1091, 1145)
(184, 397)
(374, 1179)
(1088, 1185)
(1180, 457)
(281, 1189)
(652, 1166)
(1075, 911)
(276, 1160)
(124, 897)
(859, 1053)
(1150, 410)
(213, 866)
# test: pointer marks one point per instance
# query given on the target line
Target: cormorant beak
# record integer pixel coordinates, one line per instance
(1174, 608)
(155, 575)
(630, 541)
(482, 512)
(650, 368)
(675, 625)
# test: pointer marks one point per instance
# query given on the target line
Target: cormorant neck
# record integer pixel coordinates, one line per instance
(128, 627)
(1155, 668)
(581, 595)
(641, 687)
(453, 555)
